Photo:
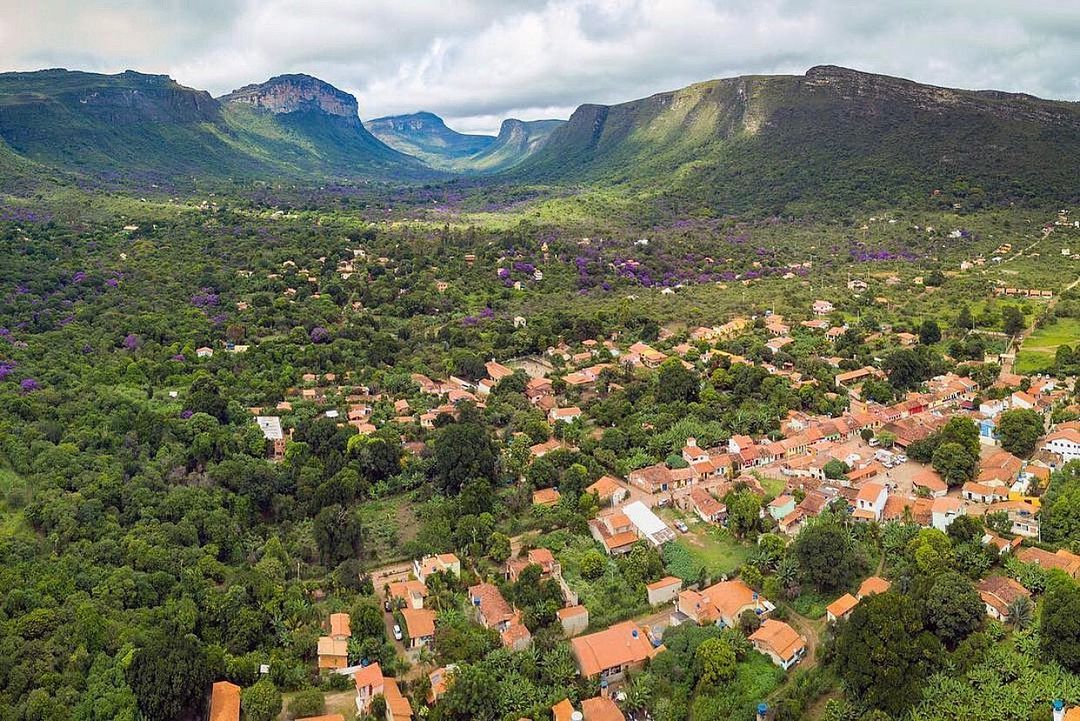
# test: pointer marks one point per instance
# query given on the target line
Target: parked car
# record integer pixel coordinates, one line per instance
(397, 632)
(681, 526)
(386, 605)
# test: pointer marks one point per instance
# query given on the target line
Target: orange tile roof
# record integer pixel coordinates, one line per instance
(491, 603)
(562, 711)
(225, 702)
(781, 638)
(601, 708)
(514, 633)
(339, 624)
(842, 605)
(405, 590)
(620, 645)
(619, 540)
(397, 706)
(730, 598)
(369, 676)
(605, 486)
(419, 622)
(664, 583)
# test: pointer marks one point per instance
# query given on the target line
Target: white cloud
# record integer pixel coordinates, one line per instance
(477, 61)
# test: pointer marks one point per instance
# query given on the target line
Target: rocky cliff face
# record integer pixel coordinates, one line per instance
(297, 93)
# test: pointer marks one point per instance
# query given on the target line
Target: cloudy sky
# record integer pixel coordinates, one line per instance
(477, 61)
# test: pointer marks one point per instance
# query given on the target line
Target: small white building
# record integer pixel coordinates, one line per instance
(944, 511)
(1065, 442)
(870, 503)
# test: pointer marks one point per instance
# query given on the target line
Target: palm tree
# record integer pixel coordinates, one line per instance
(1021, 612)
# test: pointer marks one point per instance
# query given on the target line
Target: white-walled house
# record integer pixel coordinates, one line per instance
(944, 510)
(870, 503)
(1065, 442)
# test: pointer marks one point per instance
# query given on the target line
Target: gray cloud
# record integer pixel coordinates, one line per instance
(477, 61)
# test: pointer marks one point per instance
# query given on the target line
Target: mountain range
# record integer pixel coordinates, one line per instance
(780, 143)
(425, 136)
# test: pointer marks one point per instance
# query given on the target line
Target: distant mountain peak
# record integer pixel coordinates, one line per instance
(297, 93)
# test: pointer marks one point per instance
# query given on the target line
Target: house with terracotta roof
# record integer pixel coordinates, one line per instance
(614, 531)
(984, 493)
(491, 609)
(419, 626)
(369, 682)
(610, 653)
(563, 711)
(437, 683)
(1065, 442)
(516, 636)
(707, 508)
(872, 585)
(841, 607)
(998, 593)
(539, 450)
(573, 619)
(930, 479)
(398, 707)
(1061, 559)
(545, 497)
(542, 557)
(870, 502)
(822, 307)
(601, 708)
(652, 479)
(564, 415)
(333, 650)
(1023, 515)
(440, 563)
(609, 490)
(722, 603)
(781, 506)
(664, 591)
(944, 511)
(410, 594)
(224, 702)
(1003, 545)
(780, 642)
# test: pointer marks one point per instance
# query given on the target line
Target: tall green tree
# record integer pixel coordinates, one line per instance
(169, 677)
(953, 608)
(1019, 430)
(827, 555)
(884, 654)
(463, 451)
(1059, 624)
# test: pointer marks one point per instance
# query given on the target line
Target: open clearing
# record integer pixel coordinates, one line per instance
(1039, 348)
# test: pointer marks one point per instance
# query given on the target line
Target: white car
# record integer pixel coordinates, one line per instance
(397, 632)
(681, 526)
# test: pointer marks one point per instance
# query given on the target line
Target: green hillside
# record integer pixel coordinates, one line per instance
(831, 137)
(517, 141)
(426, 136)
(147, 128)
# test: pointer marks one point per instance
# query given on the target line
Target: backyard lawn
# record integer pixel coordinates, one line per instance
(706, 545)
(1038, 350)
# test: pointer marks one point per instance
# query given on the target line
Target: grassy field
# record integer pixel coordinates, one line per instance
(1039, 348)
(706, 545)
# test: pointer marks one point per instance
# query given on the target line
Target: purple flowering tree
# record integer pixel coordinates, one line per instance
(319, 334)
